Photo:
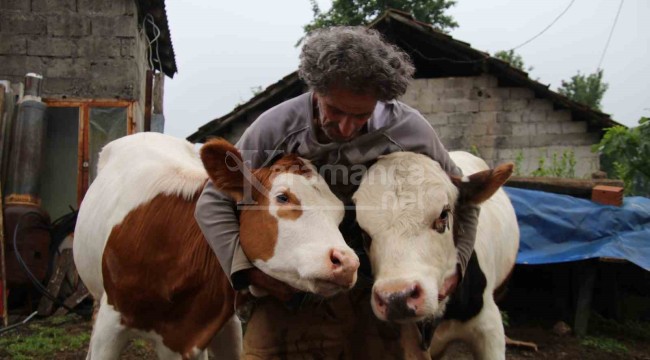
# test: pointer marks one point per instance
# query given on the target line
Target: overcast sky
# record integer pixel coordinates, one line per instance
(226, 48)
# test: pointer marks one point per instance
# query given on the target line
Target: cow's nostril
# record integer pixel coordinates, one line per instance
(416, 292)
(336, 258)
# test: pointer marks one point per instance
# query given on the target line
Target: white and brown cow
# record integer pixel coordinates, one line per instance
(405, 204)
(140, 252)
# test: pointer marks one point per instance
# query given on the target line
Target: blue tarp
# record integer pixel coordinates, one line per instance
(560, 228)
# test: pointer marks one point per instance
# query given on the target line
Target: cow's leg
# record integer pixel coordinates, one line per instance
(109, 336)
(445, 333)
(227, 344)
(489, 341)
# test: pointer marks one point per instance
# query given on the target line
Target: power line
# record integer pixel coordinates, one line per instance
(611, 31)
(546, 28)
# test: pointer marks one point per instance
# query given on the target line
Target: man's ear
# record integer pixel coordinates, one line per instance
(224, 165)
(477, 188)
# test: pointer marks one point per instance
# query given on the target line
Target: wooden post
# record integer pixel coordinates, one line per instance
(586, 279)
(3, 272)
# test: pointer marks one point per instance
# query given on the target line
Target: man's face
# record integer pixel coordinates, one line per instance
(343, 113)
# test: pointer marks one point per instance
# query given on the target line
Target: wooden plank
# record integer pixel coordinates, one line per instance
(581, 188)
(62, 268)
(147, 100)
(158, 93)
(3, 272)
(75, 299)
(586, 279)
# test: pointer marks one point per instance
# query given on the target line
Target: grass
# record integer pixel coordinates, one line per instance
(604, 344)
(44, 339)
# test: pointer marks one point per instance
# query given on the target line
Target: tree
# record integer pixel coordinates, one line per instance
(361, 12)
(627, 152)
(585, 89)
(513, 58)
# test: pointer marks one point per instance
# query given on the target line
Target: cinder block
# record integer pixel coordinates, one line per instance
(559, 115)
(521, 93)
(574, 127)
(442, 106)
(509, 117)
(436, 84)
(459, 82)
(515, 105)
(417, 85)
(437, 119)
(466, 106)
(68, 25)
(483, 117)
(456, 93)
(117, 7)
(456, 119)
(13, 65)
(22, 23)
(19, 5)
(37, 64)
(120, 26)
(491, 105)
(57, 87)
(500, 129)
(498, 93)
(540, 104)
(564, 139)
(607, 195)
(523, 129)
(54, 47)
(13, 45)
(486, 81)
(533, 116)
(517, 142)
(98, 47)
(69, 68)
(549, 128)
(54, 6)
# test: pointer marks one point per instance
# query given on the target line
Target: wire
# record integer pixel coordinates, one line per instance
(611, 31)
(546, 28)
(29, 274)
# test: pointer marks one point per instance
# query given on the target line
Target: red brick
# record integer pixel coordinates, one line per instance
(607, 195)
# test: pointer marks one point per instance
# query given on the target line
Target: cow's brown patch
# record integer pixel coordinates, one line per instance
(162, 276)
(482, 185)
(258, 232)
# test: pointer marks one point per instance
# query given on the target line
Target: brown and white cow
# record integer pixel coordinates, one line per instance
(405, 204)
(140, 252)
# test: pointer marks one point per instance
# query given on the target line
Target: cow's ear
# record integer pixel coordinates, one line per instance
(224, 165)
(477, 188)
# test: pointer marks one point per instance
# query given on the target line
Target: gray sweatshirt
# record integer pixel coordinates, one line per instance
(289, 128)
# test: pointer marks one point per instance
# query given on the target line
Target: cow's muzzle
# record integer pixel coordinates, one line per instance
(398, 301)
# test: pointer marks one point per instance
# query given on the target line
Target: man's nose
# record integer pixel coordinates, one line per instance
(347, 127)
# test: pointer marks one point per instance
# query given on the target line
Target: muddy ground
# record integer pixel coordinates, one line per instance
(67, 338)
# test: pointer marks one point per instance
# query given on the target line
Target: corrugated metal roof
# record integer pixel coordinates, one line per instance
(417, 37)
(165, 48)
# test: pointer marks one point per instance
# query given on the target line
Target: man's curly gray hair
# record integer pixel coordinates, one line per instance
(357, 59)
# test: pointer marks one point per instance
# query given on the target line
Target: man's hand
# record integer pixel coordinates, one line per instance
(273, 287)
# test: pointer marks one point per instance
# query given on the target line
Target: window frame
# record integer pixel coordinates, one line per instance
(83, 152)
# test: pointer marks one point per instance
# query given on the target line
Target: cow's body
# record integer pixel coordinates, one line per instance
(408, 215)
(141, 254)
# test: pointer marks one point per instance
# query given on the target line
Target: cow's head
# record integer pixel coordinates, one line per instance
(405, 205)
(288, 219)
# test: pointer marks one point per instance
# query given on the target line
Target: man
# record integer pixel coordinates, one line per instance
(348, 119)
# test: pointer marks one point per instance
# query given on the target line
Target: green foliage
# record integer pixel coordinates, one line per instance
(628, 152)
(519, 160)
(505, 319)
(474, 151)
(562, 166)
(361, 12)
(513, 58)
(605, 344)
(585, 89)
(42, 343)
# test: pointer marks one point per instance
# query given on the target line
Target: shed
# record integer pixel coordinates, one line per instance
(474, 101)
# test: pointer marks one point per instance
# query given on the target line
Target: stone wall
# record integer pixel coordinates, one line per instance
(83, 48)
(502, 123)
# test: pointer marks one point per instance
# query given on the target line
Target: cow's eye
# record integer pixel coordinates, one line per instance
(282, 198)
(441, 224)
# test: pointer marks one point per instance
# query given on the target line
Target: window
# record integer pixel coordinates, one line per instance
(77, 130)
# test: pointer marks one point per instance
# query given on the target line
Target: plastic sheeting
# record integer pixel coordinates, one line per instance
(559, 228)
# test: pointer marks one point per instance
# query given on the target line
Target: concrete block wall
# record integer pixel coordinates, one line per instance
(502, 122)
(83, 48)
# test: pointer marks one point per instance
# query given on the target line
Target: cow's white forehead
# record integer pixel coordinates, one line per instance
(312, 192)
(402, 192)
